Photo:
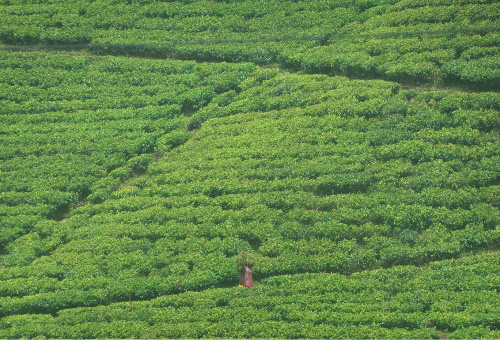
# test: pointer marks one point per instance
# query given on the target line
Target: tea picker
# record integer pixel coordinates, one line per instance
(246, 277)
(244, 263)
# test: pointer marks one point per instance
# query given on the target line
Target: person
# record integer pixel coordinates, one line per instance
(246, 277)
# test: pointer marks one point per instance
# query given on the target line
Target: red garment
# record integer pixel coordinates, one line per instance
(246, 277)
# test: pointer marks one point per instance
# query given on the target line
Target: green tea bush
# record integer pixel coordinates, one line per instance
(369, 209)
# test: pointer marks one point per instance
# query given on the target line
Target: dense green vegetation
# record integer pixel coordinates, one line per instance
(129, 185)
(424, 41)
(309, 173)
(68, 121)
(401, 302)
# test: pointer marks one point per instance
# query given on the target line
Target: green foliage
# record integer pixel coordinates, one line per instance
(88, 125)
(173, 139)
(132, 189)
(243, 259)
(426, 42)
(300, 173)
(447, 298)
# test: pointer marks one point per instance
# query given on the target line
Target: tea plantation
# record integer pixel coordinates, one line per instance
(350, 147)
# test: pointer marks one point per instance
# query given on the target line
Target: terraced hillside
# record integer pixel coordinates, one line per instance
(415, 41)
(130, 184)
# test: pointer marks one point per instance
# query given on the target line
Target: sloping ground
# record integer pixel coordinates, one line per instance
(454, 299)
(130, 185)
(68, 121)
(429, 41)
(308, 174)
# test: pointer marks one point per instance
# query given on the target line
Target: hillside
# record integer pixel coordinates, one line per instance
(412, 41)
(360, 170)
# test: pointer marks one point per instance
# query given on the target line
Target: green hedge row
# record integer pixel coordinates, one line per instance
(447, 298)
(307, 173)
(77, 125)
(289, 168)
(389, 40)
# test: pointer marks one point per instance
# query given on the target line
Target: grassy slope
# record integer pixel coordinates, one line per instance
(448, 299)
(61, 117)
(352, 196)
(365, 38)
(308, 174)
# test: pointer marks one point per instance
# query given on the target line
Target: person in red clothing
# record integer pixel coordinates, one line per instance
(246, 277)
(243, 263)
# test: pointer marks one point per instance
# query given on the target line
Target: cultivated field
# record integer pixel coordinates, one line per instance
(350, 147)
